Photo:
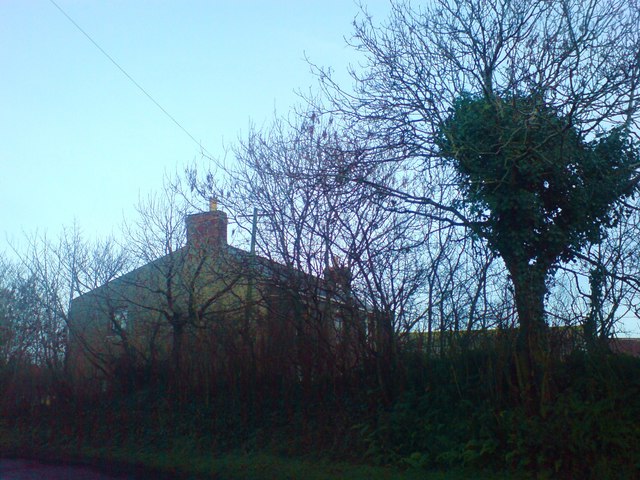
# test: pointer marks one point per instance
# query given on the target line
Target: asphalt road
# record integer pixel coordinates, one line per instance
(16, 469)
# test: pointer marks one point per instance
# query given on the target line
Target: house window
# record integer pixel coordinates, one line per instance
(119, 319)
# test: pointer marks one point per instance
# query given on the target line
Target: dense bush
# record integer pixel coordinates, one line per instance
(445, 412)
(452, 417)
(590, 430)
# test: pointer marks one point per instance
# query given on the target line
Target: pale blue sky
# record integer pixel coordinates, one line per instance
(80, 141)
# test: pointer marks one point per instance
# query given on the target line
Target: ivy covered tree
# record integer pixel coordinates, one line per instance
(536, 190)
(513, 119)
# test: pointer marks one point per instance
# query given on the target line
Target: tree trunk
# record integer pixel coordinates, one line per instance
(385, 355)
(177, 375)
(532, 353)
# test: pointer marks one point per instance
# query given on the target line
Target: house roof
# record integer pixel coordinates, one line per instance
(628, 346)
(261, 268)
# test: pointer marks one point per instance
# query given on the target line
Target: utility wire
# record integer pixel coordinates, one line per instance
(204, 150)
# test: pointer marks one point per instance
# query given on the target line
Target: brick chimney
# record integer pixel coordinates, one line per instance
(207, 229)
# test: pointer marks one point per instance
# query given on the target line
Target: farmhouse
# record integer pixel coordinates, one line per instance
(209, 310)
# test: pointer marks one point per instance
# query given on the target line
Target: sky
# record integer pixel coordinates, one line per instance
(80, 142)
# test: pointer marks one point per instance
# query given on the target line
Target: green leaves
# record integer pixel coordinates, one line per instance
(542, 189)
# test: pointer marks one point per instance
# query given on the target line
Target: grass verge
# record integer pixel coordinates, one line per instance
(182, 462)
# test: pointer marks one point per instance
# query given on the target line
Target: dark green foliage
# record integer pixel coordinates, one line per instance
(590, 431)
(440, 420)
(447, 412)
(537, 188)
(453, 418)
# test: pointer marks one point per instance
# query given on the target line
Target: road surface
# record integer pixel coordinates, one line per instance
(17, 469)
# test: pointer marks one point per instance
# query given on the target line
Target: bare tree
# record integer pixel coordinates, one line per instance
(599, 291)
(50, 273)
(36, 293)
(309, 224)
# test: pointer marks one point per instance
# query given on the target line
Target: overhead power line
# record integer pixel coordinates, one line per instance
(124, 72)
